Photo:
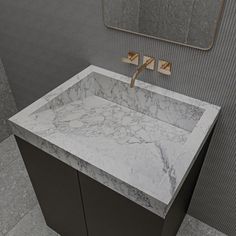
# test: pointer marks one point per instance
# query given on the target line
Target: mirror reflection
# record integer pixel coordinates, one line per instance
(189, 22)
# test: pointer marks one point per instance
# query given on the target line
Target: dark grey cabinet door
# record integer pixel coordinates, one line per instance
(57, 189)
(110, 214)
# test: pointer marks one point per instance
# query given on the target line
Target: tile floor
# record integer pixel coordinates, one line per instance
(7, 105)
(20, 214)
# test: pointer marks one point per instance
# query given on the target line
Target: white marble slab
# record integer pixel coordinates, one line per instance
(139, 142)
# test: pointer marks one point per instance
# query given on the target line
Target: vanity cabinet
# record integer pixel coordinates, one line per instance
(73, 204)
(108, 160)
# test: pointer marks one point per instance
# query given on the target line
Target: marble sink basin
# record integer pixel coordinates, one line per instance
(140, 142)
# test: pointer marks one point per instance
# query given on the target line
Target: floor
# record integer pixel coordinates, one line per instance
(20, 214)
(7, 106)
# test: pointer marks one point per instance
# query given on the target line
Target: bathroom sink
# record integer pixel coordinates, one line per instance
(140, 142)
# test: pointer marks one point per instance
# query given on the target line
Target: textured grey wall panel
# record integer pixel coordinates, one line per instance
(43, 43)
(7, 104)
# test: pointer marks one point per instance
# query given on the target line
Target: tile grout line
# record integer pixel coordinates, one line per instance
(5, 234)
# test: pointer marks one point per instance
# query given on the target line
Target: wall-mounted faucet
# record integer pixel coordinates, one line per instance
(164, 67)
(148, 63)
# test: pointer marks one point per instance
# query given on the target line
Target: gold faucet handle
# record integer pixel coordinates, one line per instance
(149, 62)
(164, 67)
(132, 58)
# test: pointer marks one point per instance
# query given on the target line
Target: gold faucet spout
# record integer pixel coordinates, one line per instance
(140, 70)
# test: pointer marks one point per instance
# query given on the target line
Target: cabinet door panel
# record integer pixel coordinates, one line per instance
(108, 213)
(57, 188)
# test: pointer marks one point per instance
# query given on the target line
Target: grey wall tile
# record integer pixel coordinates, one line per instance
(17, 195)
(43, 43)
(7, 104)
(9, 152)
(32, 224)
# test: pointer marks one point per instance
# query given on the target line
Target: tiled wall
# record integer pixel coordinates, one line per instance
(7, 104)
(43, 43)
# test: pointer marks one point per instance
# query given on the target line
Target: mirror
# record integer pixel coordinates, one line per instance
(188, 22)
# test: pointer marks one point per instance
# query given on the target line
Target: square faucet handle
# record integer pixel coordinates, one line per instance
(132, 58)
(150, 62)
(164, 67)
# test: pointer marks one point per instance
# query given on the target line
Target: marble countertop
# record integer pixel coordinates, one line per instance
(139, 142)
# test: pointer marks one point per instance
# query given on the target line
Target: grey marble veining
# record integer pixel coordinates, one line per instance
(162, 107)
(7, 104)
(139, 142)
